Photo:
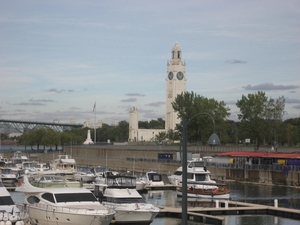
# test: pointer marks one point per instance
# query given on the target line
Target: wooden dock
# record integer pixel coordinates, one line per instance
(160, 187)
(223, 207)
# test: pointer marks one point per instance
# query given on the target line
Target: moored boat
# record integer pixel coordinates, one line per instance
(205, 190)
(63, 205)
(119, 192)
(154, 179)
(9, 212)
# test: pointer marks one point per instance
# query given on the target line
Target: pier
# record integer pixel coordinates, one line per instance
(216, 215)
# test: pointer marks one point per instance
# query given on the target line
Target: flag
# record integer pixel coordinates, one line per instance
(94, 107)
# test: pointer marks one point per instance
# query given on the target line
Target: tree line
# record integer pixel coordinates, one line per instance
(260, 122)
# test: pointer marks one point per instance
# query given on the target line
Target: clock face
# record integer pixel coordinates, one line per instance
(170, 75)
(179, 75)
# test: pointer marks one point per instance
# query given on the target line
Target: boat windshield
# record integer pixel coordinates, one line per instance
(126, 200)
(6, 171)
(75, 197)
(28, 165)
(196, 164)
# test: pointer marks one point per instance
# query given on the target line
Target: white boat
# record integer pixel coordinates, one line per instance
(154, 179)
(99, 170)
(18, 158)
(196, 171)
(42, 167)
(65, 165)
(199, 183)
(8, 177)
(205, 190)
(14, 168)
(140, 182)
(84, 174)
(9, 212)
(63, 205)
(119, 192)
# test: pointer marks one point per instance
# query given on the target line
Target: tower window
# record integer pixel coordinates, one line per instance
(178, 55)
(173, 54)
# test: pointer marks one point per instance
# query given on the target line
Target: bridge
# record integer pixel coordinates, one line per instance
(22, 126)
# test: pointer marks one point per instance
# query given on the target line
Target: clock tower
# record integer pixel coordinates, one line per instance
(175, 84)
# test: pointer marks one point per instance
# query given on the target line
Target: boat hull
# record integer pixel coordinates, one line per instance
(133, 213)
(63, 216)
(201, 193)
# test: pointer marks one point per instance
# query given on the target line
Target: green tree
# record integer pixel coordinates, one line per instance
(260, 115)
(51, 138)
(161, 137)
(188, 104)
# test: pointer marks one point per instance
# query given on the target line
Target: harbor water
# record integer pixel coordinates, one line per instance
(288, 197)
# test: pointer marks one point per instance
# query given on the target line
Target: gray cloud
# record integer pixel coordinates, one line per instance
(235, 61)
(30, 103)
(230, 102)
(129, 100)
(296, 107)
(60, 91)
(41, 100)
(292, 100)
(135, 94)
(156, 104)
(269, 86)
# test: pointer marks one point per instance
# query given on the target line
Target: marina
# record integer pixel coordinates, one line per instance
(249, 202)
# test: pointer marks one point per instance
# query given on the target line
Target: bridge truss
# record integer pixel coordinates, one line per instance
(22, 126)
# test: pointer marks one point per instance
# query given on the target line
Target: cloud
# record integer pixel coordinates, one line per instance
(231, 102)
(59, 91)
(296, 107)
(292, 100)
(129, 100)
(235, 61)
(41, 100)
(156, 104)
(269, 87)
(135, 94)
(30, 103)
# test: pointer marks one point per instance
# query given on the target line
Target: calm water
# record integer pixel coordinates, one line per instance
(260, 194)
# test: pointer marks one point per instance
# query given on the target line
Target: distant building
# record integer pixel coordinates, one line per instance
(175, 84)
(88, 124)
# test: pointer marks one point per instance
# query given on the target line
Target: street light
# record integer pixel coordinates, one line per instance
(213, 140)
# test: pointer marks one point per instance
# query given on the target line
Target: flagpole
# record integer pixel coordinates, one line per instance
(95, 141)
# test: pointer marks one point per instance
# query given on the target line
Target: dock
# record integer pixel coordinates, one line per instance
(161, 187)
(216, 215)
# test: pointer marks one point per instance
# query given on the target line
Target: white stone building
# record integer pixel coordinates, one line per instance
(175, 84)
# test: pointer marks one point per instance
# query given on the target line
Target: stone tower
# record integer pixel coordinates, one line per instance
(175, 84)
(133, 124)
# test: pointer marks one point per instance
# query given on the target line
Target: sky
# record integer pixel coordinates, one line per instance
(60, 58)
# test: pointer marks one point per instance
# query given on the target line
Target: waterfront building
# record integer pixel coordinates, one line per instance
(175, 84)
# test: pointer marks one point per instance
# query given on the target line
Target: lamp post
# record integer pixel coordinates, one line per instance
(213, 140)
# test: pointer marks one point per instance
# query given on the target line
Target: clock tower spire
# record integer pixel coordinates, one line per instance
(175, 84)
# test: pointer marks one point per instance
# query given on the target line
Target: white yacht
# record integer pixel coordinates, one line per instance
(63, 205)
(65, 165)
(154, 179)
(119, 192)
(196, 171)
(140, 182)
(84, 174)
(18, 158)
(199, 183)
(8, 177)
(9, 212)
(15, 169)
